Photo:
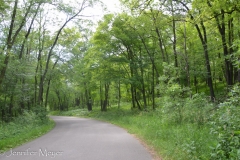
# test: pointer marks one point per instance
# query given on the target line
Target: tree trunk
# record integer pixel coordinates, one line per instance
(151, 56)
(203, 38)
(174, 37)
(89, 104)
(131, 66)
(153, 88)
(160, 44)
(101, 96)
(106, 97)
(119, 93)
(229, 73)
(209, 74)
(186, 58)
(49, 82)
(143, 84)
(238, 75)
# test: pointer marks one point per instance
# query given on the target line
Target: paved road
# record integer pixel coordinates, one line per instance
(81, 139)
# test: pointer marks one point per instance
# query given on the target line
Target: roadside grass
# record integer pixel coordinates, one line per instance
(22, 130)
(186, 141)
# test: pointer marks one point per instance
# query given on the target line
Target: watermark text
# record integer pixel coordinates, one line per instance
(28, 152)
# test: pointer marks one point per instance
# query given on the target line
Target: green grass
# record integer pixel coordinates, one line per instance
(22, 130)
(170, 140)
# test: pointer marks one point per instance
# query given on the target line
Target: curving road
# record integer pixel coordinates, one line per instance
(81, 139)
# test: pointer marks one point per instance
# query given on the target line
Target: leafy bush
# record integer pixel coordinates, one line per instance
(226, 126)
(178, 102)
(197, 109)
(172, 94)
(41, 113)
(181, 107)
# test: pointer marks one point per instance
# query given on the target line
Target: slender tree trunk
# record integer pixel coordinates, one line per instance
(133, 97)
(142, 81)
(10, 110)
(106, 96)
(186, 58)
(238, 74)
(233, 70)
(174, 36)
(203, 38)
(3, 114)
(160, 44)
(119, 93)
(89, 104)
(47, 92)
(41, 42)
(160, 38)
(60, 108)
(150, 56)
(131, 66)
(87, 97)
(49, 82)
(136, 99)
(28, 32)
(101, 95)
(153, 88)
(209, 74)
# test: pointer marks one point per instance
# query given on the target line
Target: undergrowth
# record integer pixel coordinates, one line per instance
(23, 129)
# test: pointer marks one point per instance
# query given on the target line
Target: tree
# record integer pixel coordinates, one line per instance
(29, 44)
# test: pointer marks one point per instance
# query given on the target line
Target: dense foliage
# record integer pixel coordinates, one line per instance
(22, 129)
(35, 50)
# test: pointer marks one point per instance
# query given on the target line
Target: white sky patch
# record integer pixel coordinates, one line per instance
(112, 5)
(97, 12)
(94, 13)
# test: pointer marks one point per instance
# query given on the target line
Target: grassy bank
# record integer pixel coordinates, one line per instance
(23, 129)
(170, 140)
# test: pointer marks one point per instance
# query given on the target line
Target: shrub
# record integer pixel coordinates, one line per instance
(197, 109)
(41, 113)
(226, 126)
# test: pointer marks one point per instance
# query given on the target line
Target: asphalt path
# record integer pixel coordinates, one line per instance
(81, 139)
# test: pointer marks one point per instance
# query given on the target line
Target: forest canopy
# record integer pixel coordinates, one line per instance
(131, 55)
(136, 55)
